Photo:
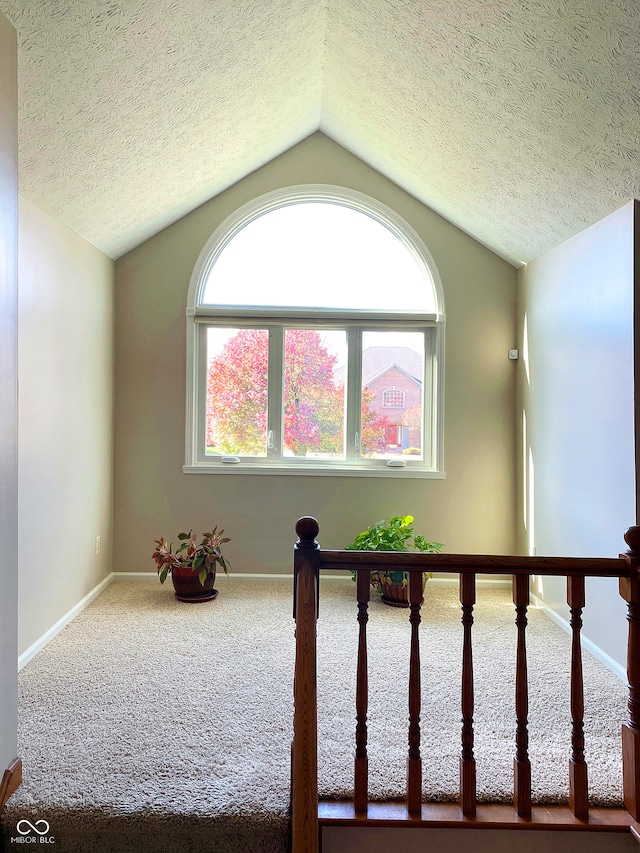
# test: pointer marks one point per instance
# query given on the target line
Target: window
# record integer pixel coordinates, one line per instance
(315, 341)
(393, 398)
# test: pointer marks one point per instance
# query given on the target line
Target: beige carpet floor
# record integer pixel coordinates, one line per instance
(153, 725)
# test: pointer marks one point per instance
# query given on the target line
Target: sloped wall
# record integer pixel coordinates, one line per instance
(576, 415)
(470, 510)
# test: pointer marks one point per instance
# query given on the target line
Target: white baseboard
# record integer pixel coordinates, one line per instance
(46, 638)
(152, 576)
(134, 576)
(254, 576)
(486, 583)
(587, 644)
(235, 576)
(481, 583)
(439, 580)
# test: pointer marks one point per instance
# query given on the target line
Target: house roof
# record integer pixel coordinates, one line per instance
(376, 361)
(515, 119)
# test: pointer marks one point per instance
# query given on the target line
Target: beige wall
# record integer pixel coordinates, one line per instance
(66, 419)
(577, 396)
(8, 391)
(470, 510)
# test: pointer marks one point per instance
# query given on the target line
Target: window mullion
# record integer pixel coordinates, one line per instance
(354, 388)
(275, 384)
(198, 389)
(429, 412)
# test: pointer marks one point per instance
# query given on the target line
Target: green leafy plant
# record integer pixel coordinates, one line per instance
(392, 534)
(199, 557)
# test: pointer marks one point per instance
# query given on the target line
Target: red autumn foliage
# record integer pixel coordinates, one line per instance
(313, 415)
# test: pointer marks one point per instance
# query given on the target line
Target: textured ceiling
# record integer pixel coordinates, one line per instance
(515, 119)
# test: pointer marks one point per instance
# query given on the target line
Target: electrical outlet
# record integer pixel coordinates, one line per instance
(97, 545)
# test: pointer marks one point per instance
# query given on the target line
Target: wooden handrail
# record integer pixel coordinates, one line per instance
(309, 560)
(485, 564)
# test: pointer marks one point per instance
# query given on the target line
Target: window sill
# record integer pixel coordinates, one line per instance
(311, 471)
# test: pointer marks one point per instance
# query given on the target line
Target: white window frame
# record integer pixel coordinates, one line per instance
(199, 316)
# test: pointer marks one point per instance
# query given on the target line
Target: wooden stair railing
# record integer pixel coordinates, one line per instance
(578, 787)
(630, 591)
(468, 803)
(310, 559)
(521, 763)
(361, 768)
(304, 751)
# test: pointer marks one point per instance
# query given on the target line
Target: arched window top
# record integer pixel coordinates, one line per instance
(323, 277)
(317, 248)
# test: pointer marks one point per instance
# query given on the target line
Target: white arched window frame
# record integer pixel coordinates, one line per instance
(200, 316)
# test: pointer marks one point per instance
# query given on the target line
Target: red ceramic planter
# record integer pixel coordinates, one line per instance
(397, 595)
(186, 583)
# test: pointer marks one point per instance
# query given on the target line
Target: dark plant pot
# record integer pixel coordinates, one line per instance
(186, 583)
(396, 594)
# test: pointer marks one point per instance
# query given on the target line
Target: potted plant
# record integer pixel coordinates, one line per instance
(193, 565)
(393, 534)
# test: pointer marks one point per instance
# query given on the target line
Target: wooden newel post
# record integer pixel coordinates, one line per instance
(304, 751)
(630, 591)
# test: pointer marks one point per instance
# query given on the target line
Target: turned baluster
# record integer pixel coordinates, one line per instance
(414, 761)
(521, 763)
(361, 769)
(578, 786)
(304, 763)
(467, 760)
(630, 591)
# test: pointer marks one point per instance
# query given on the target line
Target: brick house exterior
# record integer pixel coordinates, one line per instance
(395, 393)
(394, 375)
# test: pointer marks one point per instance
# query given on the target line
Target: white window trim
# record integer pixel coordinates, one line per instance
(197, 315)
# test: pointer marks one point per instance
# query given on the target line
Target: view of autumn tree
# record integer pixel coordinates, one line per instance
(237, 394)
(373, 438)
(313, 403)
(313, 416)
